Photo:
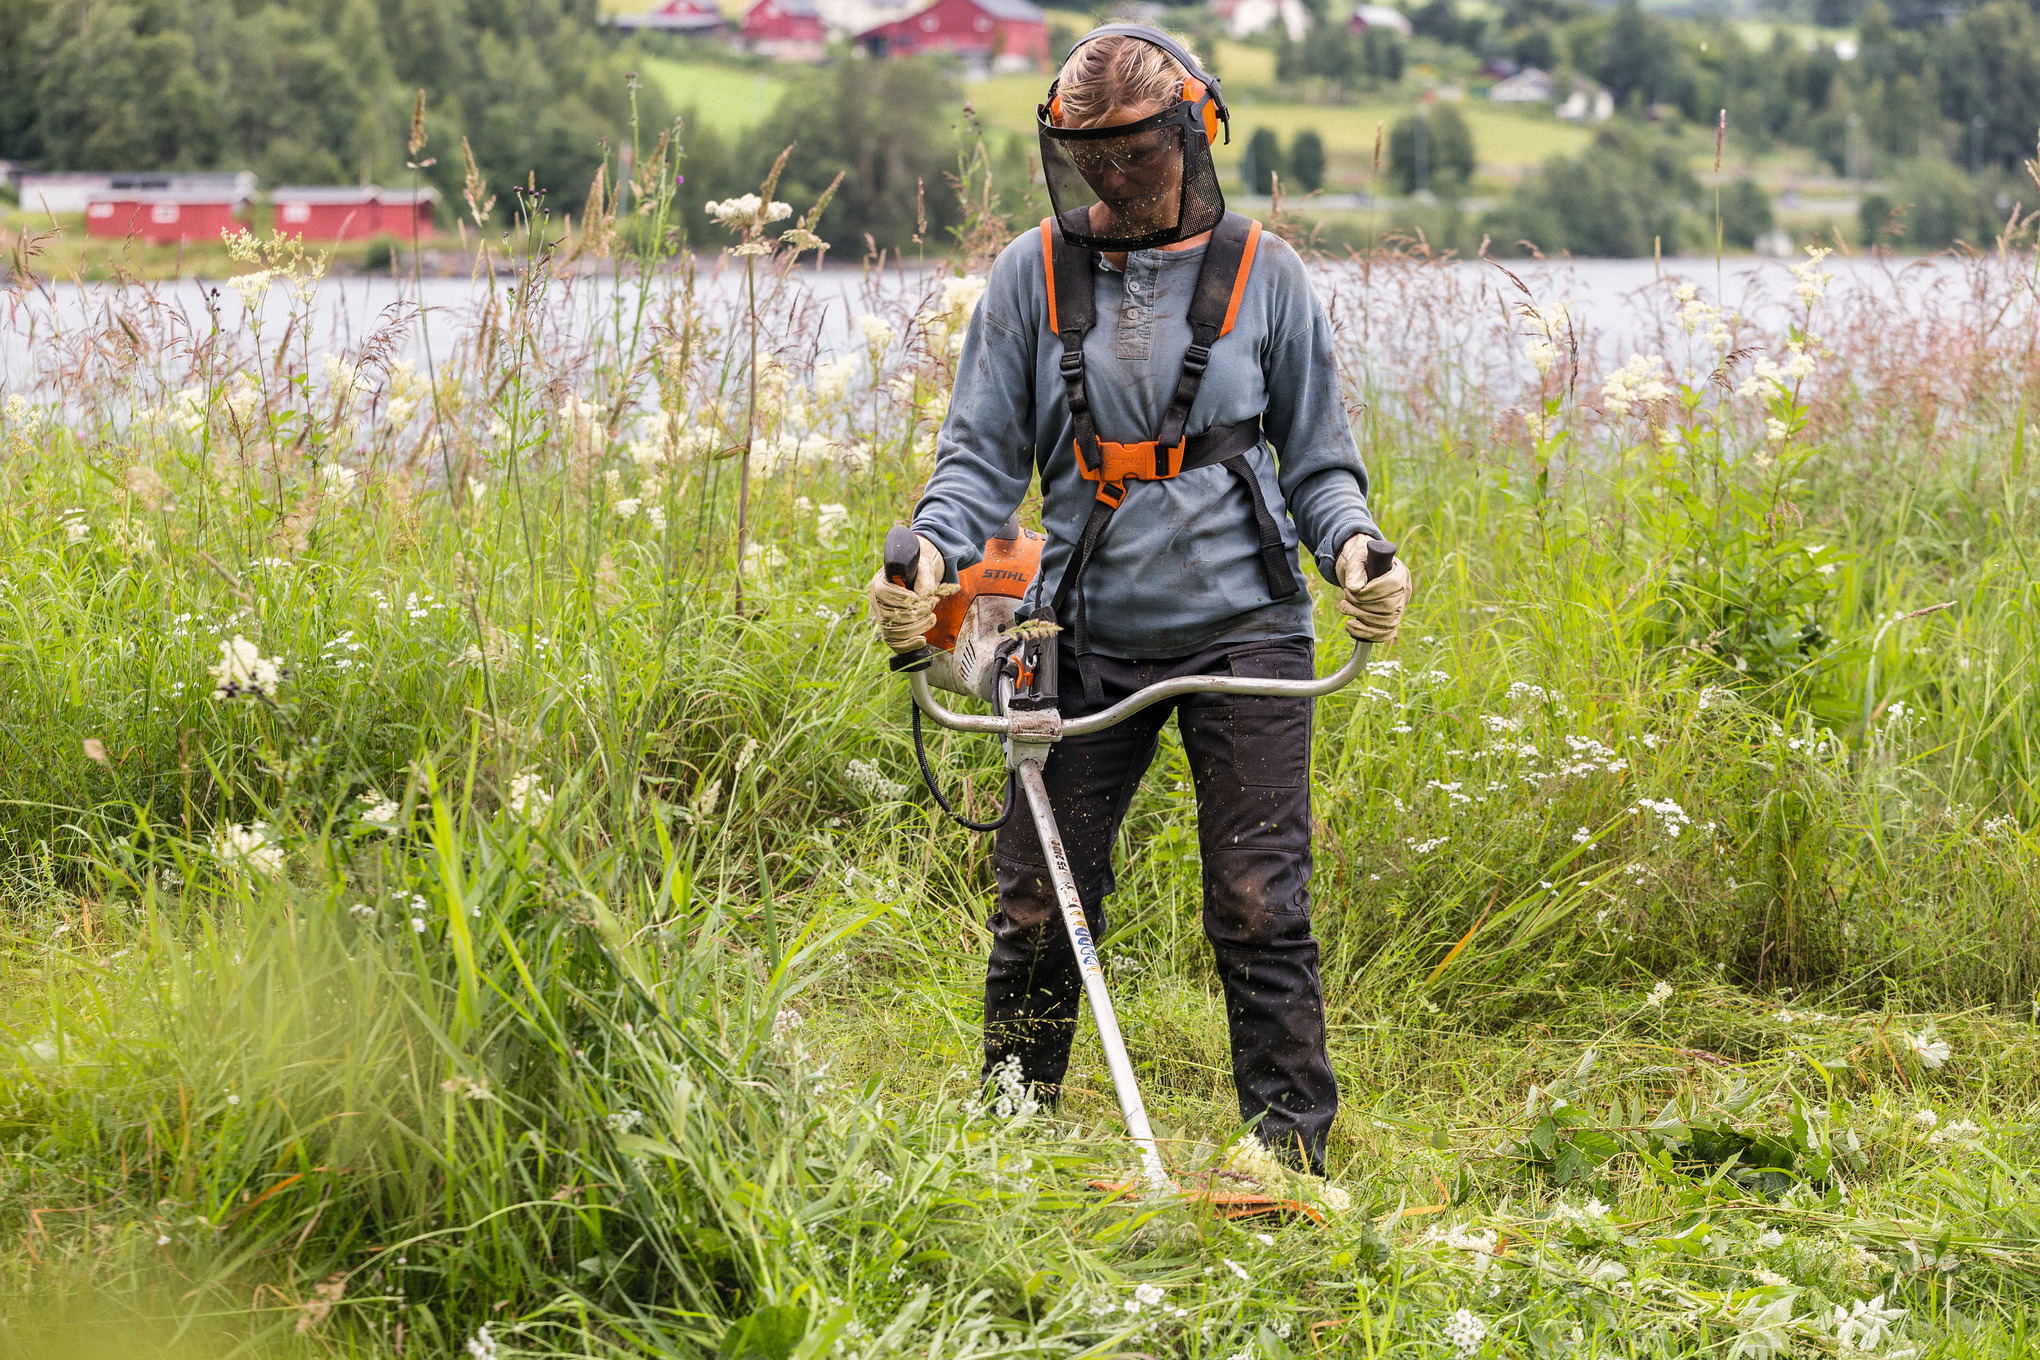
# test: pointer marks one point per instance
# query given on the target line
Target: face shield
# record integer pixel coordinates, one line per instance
(1136, 185)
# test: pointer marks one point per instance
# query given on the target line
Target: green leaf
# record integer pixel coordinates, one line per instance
(769, 1333)
(1441, 1138)
(1545, 1136)
(1375, 1252)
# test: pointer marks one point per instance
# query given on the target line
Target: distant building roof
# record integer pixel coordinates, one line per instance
(1527, 86)
(677, 15)
(72, 191)
(797, 9)
(1013, 11)
(1382, 16)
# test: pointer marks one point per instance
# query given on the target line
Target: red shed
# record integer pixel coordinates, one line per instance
(327, 213)
(788, 29)
(400, 206)
(159, 217)
(1003, 35)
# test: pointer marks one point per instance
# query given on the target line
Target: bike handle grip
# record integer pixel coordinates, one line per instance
(902, 566)
(1380, 557)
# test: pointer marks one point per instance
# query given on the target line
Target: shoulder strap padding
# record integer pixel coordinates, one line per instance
(1214, 306)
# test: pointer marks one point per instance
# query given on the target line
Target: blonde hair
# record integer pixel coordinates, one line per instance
(1118, 72)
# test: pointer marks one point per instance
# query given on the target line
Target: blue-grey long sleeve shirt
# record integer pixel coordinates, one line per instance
(1179, 567)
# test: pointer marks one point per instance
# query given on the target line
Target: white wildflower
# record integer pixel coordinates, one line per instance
(832, 380)
(747, 212)
(1659, 995)
(1465, 1331)
(761, 559)
(878, 333)
(623, 1121)
(1770, 1279)
(1148, 1295)
(251, 287)
(1582, 836)
(1237, 1269)
(628, 507)
(528, 797)
(1954, 1133)
(1926, 1119)
(1776, 431)
(244, 672)
(951, 315)
(829, 519)
(1812, 280)
(249, 846)
(872, 782)
(1639, 382)
(380, 813)
(337, 479)
(482, 1346)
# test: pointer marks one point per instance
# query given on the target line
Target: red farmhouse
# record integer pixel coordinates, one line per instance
(321, 213)
(159, 217)
(1005, 35)
(789, 29)
(675, 16)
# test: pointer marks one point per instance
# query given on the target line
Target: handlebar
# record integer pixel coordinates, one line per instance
(902, 550)
(1246, 686)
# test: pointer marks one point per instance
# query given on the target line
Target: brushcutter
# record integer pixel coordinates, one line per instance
(981, 647)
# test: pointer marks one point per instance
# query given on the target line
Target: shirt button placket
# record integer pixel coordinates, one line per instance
(1136, 316)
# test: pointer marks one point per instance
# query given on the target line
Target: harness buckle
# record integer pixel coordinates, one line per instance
(1196, 358)
(1071, 364)
(1112, 493)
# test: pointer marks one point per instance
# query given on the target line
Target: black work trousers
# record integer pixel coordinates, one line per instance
(1250, 760)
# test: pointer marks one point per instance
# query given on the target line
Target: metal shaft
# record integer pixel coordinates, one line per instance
(1124, 1085)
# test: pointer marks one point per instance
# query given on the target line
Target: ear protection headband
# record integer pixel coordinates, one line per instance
(1200, 89)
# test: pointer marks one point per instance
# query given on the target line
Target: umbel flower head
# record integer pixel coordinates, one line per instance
(244, 673)
(748, 212)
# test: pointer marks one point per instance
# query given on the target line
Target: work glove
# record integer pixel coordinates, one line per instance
(904, 616)
(1373, 609)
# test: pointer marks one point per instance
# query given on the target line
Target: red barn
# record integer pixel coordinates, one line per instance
(160, 217)
(790, 30)
(324, 213)
(1002, 35)
(675, 16)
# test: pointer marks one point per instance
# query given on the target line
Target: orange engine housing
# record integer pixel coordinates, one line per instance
(1012, 558)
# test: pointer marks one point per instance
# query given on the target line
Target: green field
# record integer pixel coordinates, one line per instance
(727, 98)
(1506, 142)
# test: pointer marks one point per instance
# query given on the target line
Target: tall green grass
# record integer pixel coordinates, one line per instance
(600, 976)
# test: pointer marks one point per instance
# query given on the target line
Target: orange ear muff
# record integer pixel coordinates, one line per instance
(1055, 110)
(1194, 90)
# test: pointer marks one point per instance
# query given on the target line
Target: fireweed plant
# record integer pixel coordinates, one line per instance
(440, 921)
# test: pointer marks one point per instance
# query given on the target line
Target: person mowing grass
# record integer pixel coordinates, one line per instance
(1166, 369)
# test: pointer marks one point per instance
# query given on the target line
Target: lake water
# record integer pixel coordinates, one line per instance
(1618, 305)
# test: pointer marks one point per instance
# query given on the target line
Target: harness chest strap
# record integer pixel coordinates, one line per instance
(1214, 307)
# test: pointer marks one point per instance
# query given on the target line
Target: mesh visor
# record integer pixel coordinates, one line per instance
(1149, 183)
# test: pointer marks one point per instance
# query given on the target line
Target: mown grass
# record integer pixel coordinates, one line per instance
(601, 983)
